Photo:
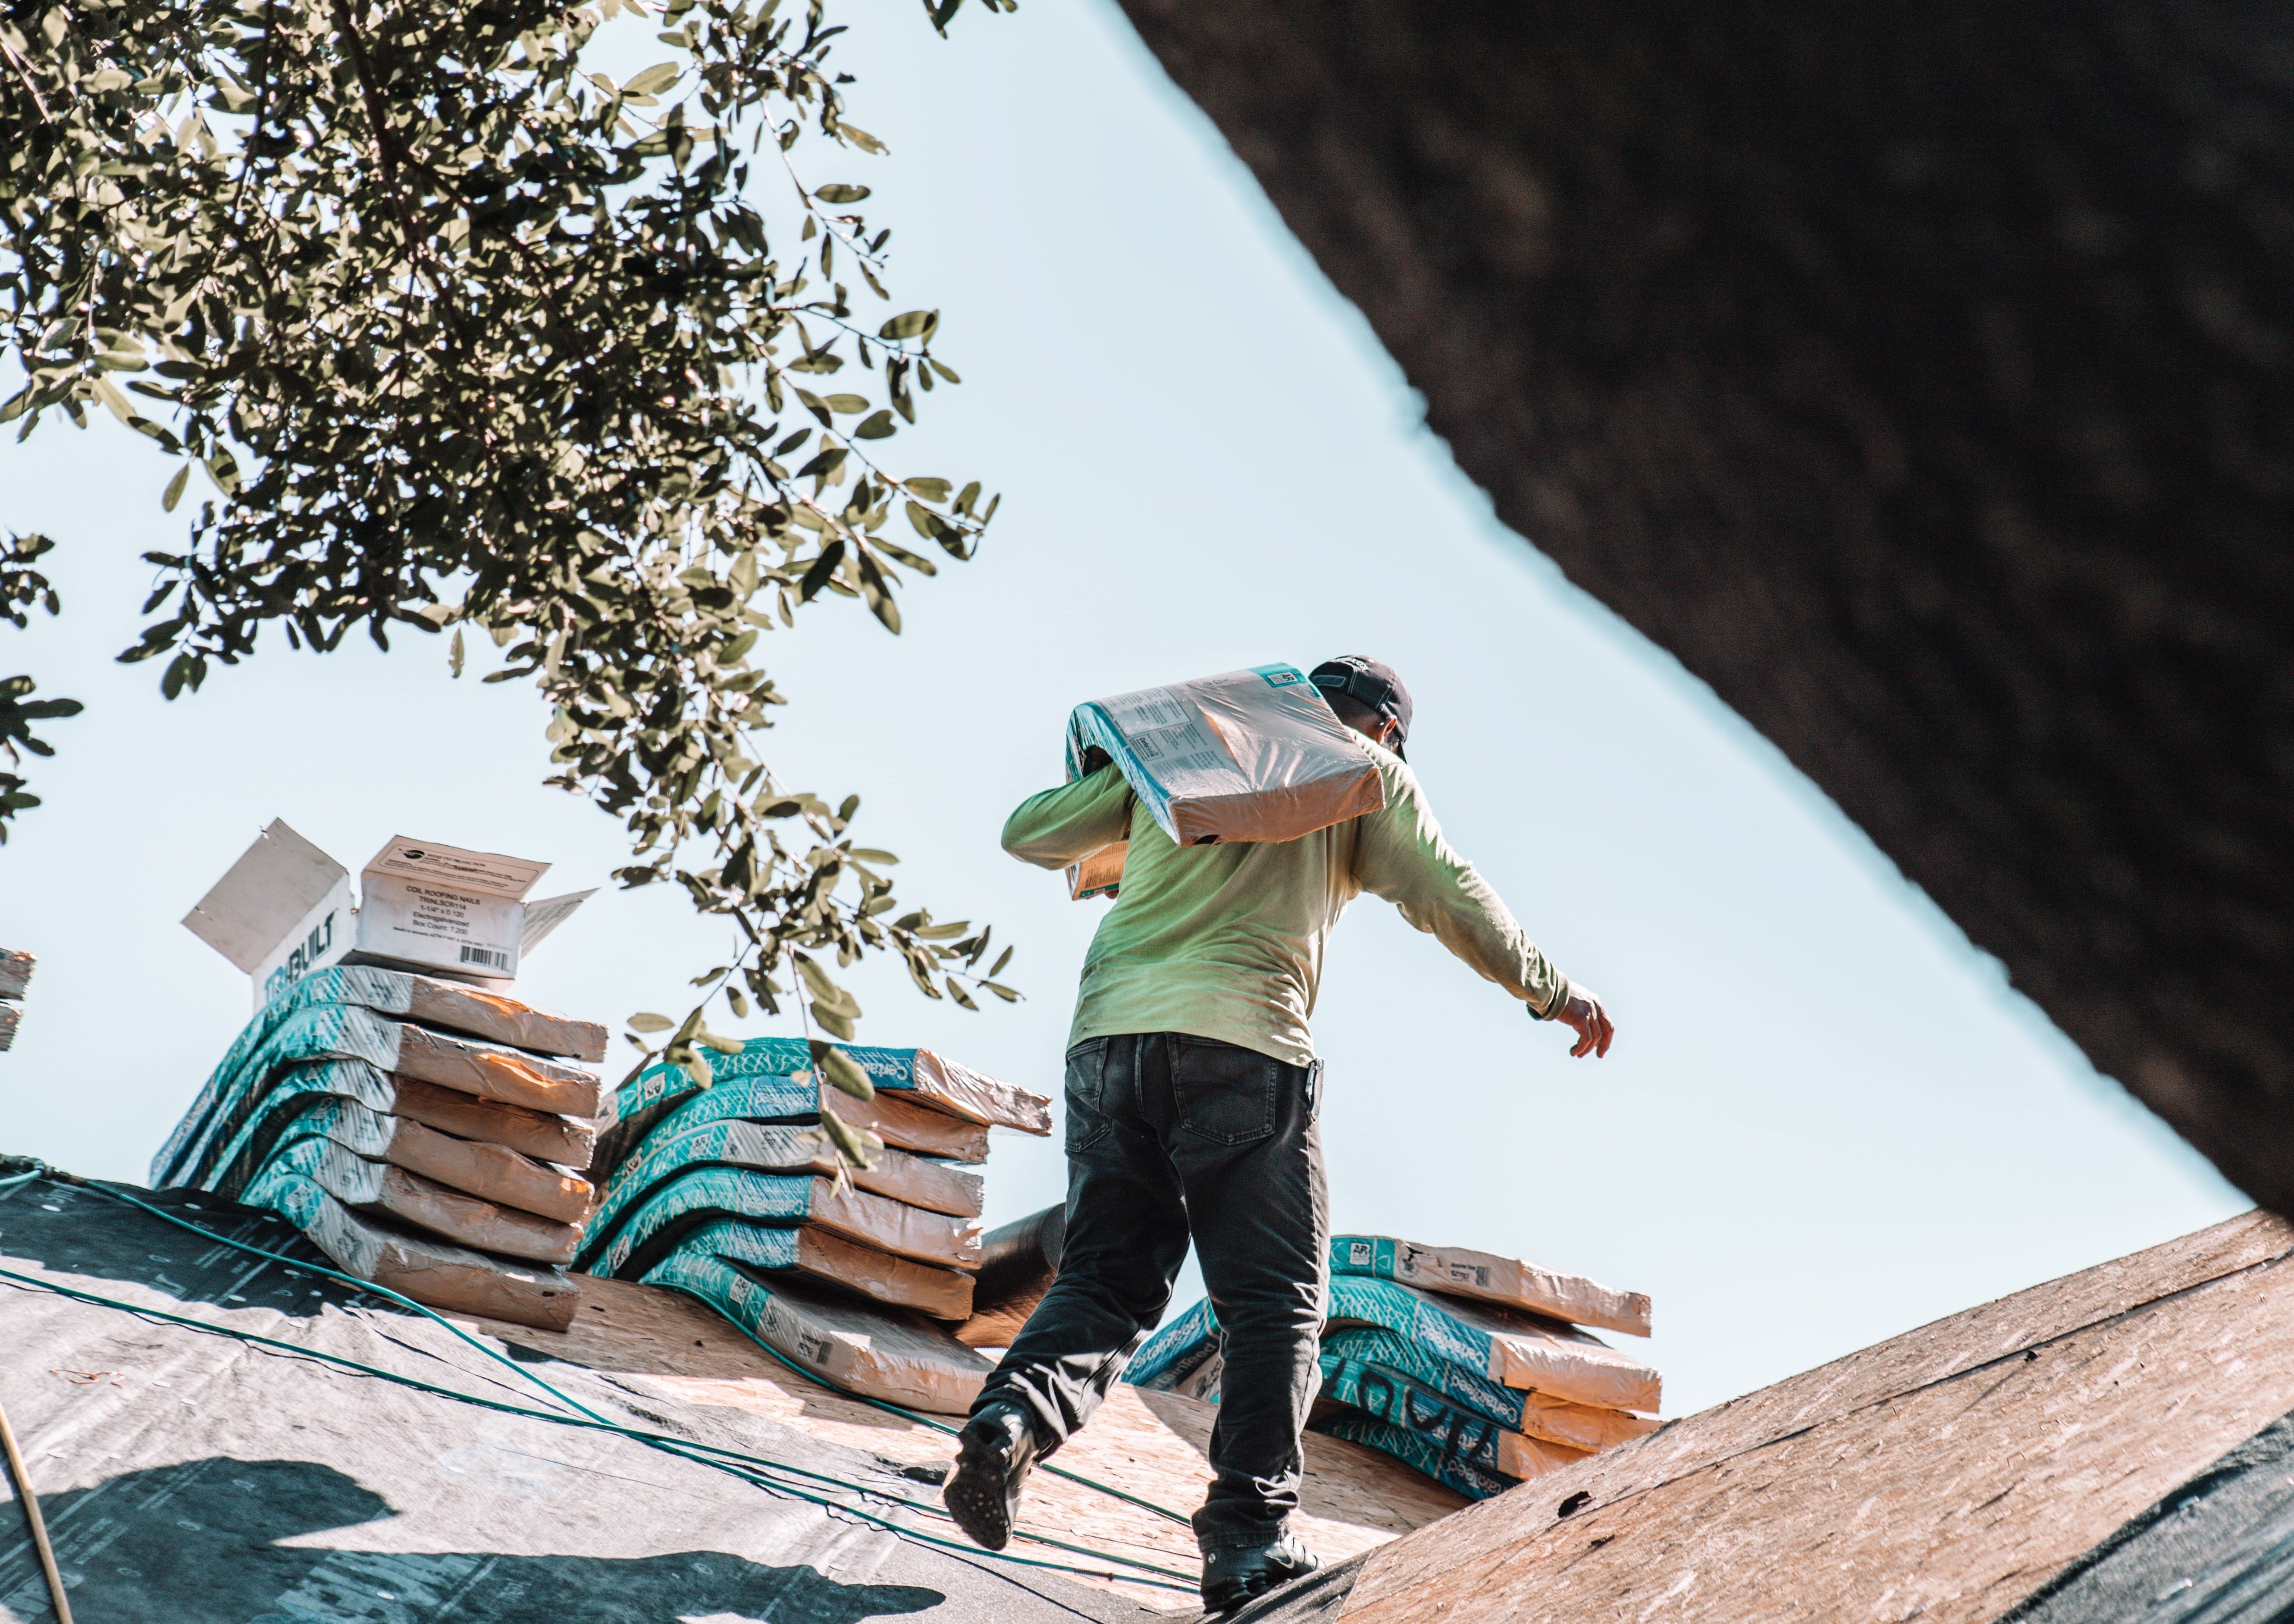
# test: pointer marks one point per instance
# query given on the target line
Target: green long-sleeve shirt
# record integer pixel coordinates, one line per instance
(1226, 941)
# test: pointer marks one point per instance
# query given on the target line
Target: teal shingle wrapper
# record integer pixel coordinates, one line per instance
(669, 1210)
(1167, 1357)
(1473, 1391)
(1413, 1451)
(1457, 1433)
(667, 1155)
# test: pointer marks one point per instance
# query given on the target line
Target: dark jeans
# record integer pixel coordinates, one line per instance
(1170, 1136)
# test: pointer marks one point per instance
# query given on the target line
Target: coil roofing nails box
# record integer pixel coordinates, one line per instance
(286, 908)
(1251, 755)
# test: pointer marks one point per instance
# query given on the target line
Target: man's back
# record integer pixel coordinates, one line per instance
(1226, 941)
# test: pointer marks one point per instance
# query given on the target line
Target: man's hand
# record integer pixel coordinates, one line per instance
(1584, 1015)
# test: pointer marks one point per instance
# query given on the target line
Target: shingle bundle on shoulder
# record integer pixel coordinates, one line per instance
(728, 1190)
(1473, 1369)
(429, 1133)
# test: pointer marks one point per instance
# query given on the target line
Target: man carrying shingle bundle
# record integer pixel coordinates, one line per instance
(1193, 1099)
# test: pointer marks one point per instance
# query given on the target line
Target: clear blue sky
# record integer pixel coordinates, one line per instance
(1827, 1118)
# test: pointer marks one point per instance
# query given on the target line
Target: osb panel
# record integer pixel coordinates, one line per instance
(1148, 1444)
(1944, 1475)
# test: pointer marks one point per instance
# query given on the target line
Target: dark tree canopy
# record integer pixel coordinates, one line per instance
(455, 330)
(1922, 376)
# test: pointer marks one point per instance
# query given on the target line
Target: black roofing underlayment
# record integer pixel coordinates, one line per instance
(2218, 1550)
(190, 1478)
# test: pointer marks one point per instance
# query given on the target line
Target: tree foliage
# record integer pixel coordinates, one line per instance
(457, 332)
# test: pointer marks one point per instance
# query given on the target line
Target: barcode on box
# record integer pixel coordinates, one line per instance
(491, 958)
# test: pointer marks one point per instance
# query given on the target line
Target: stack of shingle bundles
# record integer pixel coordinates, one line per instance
(730, 1191)
(428, 1135)
(1471, 1367)
(15, 975)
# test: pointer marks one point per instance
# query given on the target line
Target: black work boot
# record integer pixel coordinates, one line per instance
(1233, 1574)
(994, 1452)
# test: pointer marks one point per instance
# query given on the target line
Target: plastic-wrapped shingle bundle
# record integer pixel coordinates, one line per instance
(1475, 1370)
(730, 1191)
(431, 1136)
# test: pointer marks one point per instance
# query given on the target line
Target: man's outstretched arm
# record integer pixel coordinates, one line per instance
(1066, 825)
(1403, 857)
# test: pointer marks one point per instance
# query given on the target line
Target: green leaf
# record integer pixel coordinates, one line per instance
(649, 1023)
(843, 1071)
(823, 567)
(855, 1146)
(824, 992)
(551, 403)
(909, 324)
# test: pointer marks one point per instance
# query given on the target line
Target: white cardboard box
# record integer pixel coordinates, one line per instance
(286, 908)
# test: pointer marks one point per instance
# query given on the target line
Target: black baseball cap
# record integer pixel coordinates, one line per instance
(1369, 682)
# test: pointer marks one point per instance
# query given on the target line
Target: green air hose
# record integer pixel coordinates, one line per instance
(734, 1462)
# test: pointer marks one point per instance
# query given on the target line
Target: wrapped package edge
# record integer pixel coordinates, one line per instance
(1100, 874)
(1461, 1272)
(1548, 1358)
(1513, 1349)
(1534, 1415)
(877, 1353)
(929, 1078)
(492, 1173)
(256, 1123)
(1582, 1428)
(1283, 764)
(783, 1200)
(773, 1147)
(1421, 1456)
(901, 1282)
(933, 1079)
(667, 1099)
(1458, 1433)
(434, 1273)
(423, 1202)
(281, 1036)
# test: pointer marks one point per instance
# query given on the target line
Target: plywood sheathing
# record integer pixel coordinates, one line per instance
(1945, 1474)
(1149, 1444)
